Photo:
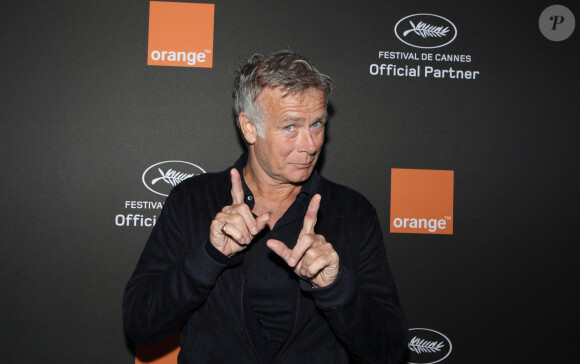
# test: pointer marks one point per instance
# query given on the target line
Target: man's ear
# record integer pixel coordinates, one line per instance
(248, 128)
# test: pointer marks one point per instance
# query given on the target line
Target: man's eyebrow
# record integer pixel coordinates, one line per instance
(323, 117)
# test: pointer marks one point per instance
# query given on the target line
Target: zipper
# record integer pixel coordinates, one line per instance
(246, 261)
(293, 325)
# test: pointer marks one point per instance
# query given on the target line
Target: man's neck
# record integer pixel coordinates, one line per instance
(266, 188)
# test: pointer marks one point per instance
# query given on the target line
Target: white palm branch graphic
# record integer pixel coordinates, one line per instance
(172, 177)
(426, 30)
(420, 346)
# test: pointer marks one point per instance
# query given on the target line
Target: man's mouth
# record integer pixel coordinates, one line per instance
(304, 165)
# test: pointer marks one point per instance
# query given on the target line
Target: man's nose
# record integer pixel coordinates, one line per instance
(306, 143)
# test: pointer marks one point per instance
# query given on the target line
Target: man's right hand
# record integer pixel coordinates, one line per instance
(235, 227)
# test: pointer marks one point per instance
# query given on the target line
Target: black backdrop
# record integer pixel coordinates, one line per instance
(83, 117)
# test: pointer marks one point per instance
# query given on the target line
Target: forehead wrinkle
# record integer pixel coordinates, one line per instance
(292, 119)
(295, 119)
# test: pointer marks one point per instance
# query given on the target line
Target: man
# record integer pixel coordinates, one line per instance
(268, 261)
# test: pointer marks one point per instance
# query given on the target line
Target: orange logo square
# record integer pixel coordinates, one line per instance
(421, 201)
(180, 34)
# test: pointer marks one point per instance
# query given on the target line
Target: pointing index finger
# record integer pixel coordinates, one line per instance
(237, 189)
(310, 217)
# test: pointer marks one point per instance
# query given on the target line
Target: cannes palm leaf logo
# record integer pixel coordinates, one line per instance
(171, 177)
(426, 30)
(420, 346)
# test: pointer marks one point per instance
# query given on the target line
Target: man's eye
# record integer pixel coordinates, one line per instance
(289, 128)
(317, 125)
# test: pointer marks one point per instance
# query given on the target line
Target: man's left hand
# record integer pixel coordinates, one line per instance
(313, 258)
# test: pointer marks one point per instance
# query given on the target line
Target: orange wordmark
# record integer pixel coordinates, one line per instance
(180, 34)
(421, 201)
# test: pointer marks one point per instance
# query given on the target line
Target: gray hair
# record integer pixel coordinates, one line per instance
(283, 69)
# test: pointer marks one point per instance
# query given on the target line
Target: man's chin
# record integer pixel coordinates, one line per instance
(300, 178)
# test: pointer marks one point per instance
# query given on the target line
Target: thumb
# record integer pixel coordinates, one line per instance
(261, 221)
(279, 248)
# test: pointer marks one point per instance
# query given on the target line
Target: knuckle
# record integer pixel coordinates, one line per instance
(308, 239)
(238, 219)
(236, 234)
(312, 270)
(311, 254)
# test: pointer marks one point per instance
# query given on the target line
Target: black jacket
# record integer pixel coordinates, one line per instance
(181, 281)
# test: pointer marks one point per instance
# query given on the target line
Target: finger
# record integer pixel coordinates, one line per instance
(234, 233)
(239, 221)
(309, 256)
(318, 264)
(279, 248)
(243, 210)
(310, 217)
(237, 189)
(304, 243)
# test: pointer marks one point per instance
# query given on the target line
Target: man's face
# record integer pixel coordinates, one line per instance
(293, 134)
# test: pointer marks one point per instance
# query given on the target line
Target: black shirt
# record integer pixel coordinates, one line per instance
(272, 285)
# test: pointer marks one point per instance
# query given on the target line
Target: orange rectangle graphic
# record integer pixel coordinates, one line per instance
(421, 201)
(180, 34)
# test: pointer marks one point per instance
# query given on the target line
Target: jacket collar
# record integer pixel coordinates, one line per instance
(309, 187)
